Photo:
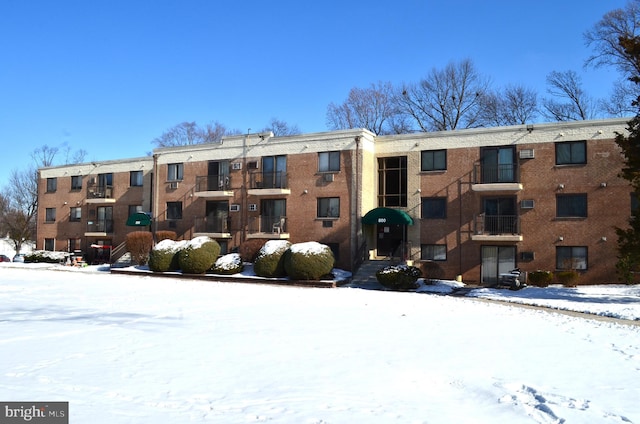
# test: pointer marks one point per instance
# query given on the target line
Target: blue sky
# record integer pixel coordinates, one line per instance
(109, 76)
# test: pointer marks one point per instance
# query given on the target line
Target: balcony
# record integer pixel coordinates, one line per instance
(213, 226)
(99, 228)
(496, 178)
(100, 194)
(496, 228)
(213, 186)
(266, 183)
(270, 227)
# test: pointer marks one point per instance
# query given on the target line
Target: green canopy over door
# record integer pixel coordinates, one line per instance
(139, 219)
(387, 216)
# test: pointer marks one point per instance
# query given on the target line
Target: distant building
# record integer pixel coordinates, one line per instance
(476, 202)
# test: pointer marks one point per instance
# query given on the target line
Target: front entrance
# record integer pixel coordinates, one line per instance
(497, 260)
(390, 238)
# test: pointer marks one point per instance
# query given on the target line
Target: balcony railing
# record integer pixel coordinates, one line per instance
(100, 226)
(268, 180)
(100, 192)
(267, 224)
(492, 174)
(213, 183)
(496, 224)
(212, 224)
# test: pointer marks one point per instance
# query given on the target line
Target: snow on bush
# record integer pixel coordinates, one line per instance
(270, 262)
(46, 256)
(163, 256)
(228, 264)
(198, 255)
(399, 277)
(308, 261)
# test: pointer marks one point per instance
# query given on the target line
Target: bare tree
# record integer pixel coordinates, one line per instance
(281, 128)
(514, 105)
(576, 105)
(620, 102)
(44, 155)
(446, 99)
(188, 133)
(19, 207)
(604, 37)
(372, 108)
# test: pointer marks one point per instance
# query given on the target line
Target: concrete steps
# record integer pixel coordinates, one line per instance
(366, 275)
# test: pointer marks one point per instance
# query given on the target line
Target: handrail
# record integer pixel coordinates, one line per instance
(117, 252)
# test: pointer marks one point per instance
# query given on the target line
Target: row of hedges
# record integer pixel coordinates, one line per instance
(544, 278)
(275, 258)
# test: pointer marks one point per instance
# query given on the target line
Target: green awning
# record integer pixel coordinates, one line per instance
(139, 219)
(383, 216)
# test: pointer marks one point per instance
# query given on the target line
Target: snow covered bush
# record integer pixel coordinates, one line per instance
(308, 261)
(270, 260)
(45, 256)
(139, 244)
(228, 264)
(198, 255)
(399, 277)
(539, 278)
(164, 256)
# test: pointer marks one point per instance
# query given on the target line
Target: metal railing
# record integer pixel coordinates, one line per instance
(489, 174)
(213, 183)
(100, 192)
(268, 224)
(100, 226)
(266, 180)
(496, 224)
(212, 224)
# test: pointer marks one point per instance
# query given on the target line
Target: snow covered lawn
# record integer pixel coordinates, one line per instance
(138, 349)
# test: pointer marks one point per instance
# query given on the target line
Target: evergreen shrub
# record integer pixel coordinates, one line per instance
(399, 277)
(164, 256)
(198, 255)
(308, 261)
(228, 264)
(540, 278)
(269, 262)
(568, 278)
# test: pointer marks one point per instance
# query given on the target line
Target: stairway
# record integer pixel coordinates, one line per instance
(365, 277)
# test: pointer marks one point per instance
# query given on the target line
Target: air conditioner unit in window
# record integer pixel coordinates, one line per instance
(328, 177)
(252, 165)
(527, 154)
(236, 165)
(234, 207)
(174, 185)
(527, 204)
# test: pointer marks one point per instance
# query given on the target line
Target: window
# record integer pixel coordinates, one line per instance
(329, 161)
(498, 165)
(49, 244)
(392, 181)
(274, 171)
(133, 209)
(52, 185)
(75, 214)
(175, 172)
(328, 207)
(433, 252)
(74, 244)
(174, 210)
(76, 182)
(50, 215)
(434, 160)
(434, 208)
(571, 153)
(135, 178)
(571, 206)
(571, 257)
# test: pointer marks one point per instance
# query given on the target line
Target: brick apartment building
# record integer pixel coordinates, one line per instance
(477, 202)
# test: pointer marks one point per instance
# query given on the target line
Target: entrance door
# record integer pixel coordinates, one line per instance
(218, 175)
(497, 260)
(389, 240)
(217, 215)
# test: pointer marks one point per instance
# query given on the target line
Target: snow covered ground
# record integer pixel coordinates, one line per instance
(139, 349)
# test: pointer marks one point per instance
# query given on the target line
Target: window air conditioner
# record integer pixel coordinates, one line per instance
(234, 207)
(174, 185)
(527, 154)
(328, 177)
(527, 204)
(236, 165)
(252, 165)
